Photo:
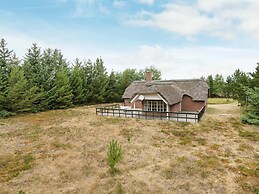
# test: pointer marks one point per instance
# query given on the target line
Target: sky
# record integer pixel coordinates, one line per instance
(183, 38)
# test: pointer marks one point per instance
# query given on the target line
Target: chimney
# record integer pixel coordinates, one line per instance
(148, 76)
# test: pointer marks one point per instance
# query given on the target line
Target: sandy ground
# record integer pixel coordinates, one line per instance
(70, 148)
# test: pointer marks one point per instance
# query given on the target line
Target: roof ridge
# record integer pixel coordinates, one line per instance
(172, 80)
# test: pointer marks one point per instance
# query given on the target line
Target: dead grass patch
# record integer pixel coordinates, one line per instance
(251, 135)
(12, 165)
(249, 177)
(69, 154)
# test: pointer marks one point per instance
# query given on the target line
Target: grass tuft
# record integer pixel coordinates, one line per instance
(12, 165)
(253, 136)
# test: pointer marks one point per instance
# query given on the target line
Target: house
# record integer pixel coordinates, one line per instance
(166, 96)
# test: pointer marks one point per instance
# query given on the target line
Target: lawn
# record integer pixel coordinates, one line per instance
(65, 151)
(220, 100)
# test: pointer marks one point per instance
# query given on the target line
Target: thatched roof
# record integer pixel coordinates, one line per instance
(171, 90)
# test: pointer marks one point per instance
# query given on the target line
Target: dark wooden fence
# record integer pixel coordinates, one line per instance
(116, 111)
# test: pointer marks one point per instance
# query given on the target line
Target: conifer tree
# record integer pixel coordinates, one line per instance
(5, 60)
(88, 79)
(33, 66)
(255, 77)
(219, 85)
(34, 73)
(99, 82)
(52, 62)
(240, 81)
(228, 90)
(126, 77)
(76, 82)
(111, 95)
(252, 116)
(62, 92)
(2, 93)
(20, 95)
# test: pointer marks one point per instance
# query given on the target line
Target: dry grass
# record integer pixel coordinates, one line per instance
(220, 100)
(65, 151)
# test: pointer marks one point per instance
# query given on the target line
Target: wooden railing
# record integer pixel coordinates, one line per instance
(114, 110)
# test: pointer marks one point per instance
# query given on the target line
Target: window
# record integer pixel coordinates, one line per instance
(155, 105)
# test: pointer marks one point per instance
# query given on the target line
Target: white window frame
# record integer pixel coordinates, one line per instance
(155, 105)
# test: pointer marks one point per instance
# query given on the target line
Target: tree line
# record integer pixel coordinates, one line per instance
(45, 80)
(241, 86)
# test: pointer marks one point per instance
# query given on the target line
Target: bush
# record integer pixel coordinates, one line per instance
(250, 118)
(5, 113)
(114, 155)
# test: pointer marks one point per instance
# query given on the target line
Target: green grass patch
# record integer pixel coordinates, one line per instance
(220, 101)
(253, 136)
(248, 187)
(249, 179)
(12, 165)
(243, 147)
(59, 145)
(201, 141)
(247, 171)
(185, 136)
(208, 161)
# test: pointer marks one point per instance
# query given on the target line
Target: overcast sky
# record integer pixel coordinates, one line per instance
(184, 39)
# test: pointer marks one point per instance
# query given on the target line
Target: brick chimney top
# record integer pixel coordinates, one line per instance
(148, 76)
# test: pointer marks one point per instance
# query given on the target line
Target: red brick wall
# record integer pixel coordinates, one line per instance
(127, 102)
(175, 107)
(189, 105)
(138, 104)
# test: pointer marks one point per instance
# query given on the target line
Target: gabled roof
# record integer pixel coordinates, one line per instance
(171, 90)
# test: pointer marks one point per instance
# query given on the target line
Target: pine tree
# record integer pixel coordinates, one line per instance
(240, 80)
(111, 95)
(126, 78)
(20, 95)
(255, 77)
(35, 74)
(76, 82)
(88, 78)
(2, 93)
(33, 66)
(228, 90)
(52, 62)
(99, 82)
(252, 116)
(5, 60)
(62, 92)
(8, 60)
(210, 82)
(219, 85)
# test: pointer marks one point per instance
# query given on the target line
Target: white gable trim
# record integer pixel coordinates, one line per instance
(162, 98)
(154, 96)
(135, 98)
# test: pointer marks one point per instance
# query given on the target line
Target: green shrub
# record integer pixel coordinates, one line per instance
(250, 118)
(5, 113)
(114, 155)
